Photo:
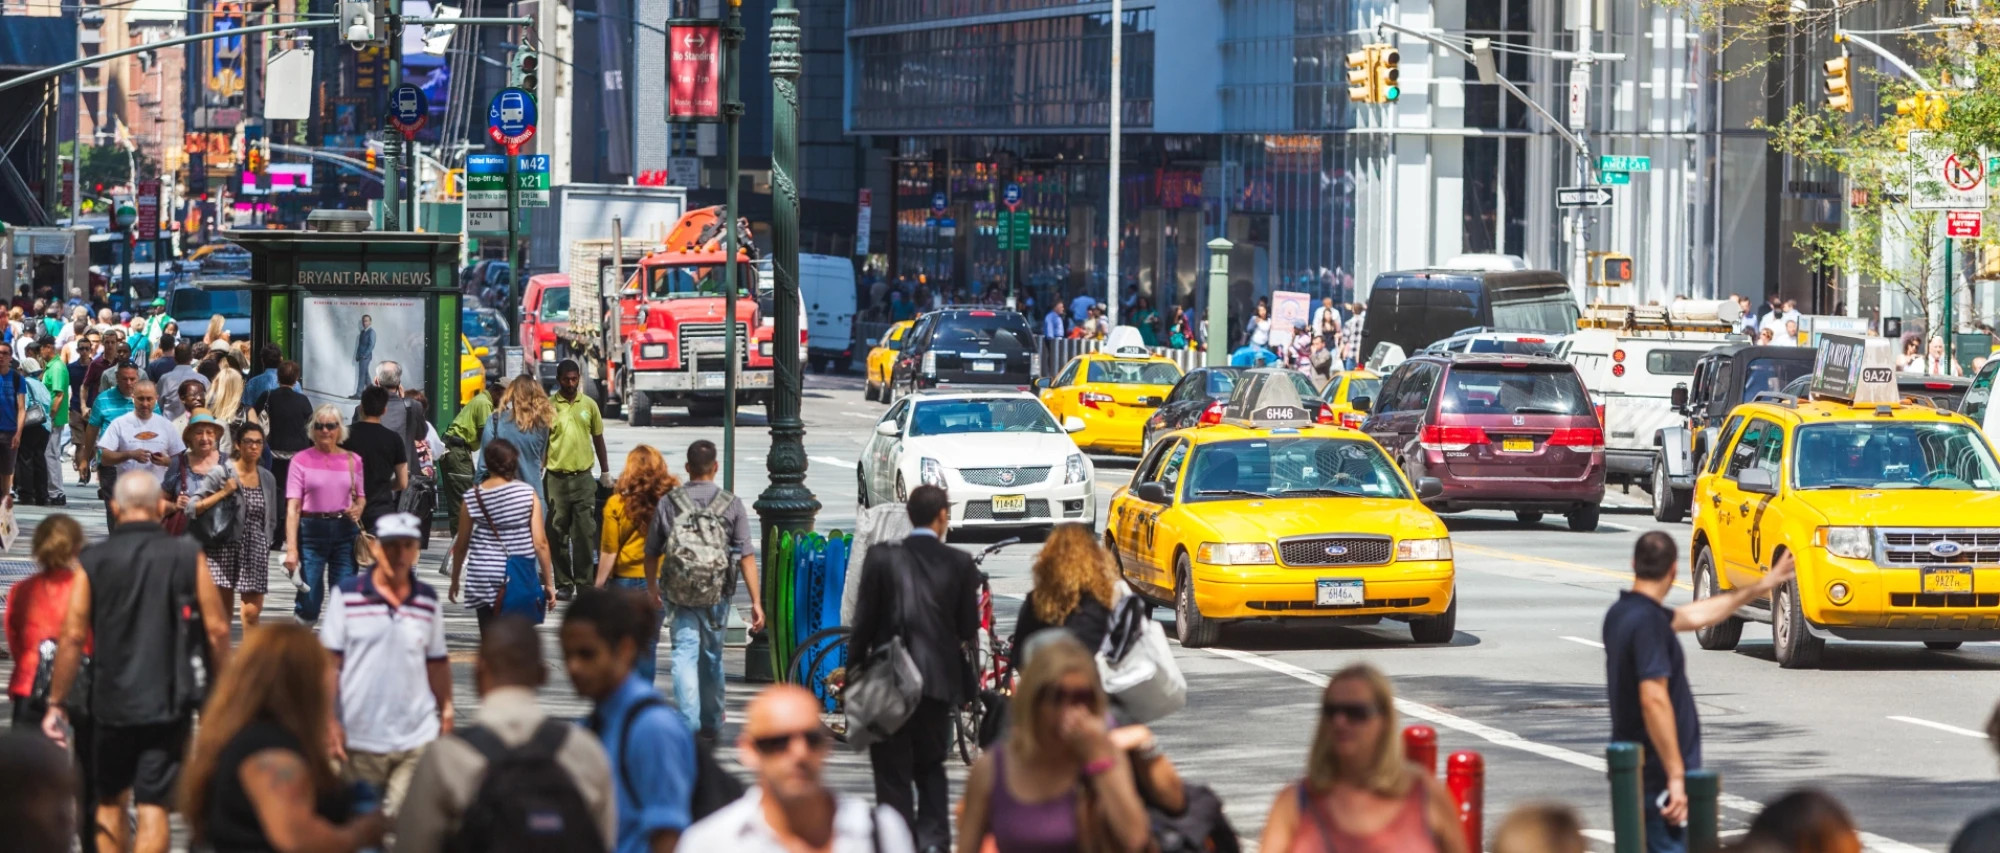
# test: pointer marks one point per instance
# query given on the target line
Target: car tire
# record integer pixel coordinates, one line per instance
(1584, 518)
(902, 494)
(1792, 644)
(1670, 505)
(1194, 631)
(1943, 645)
(1528, 516)
(868, 391)
(1721, 636)
(1439, 629)
(638, 409)
(860, 489)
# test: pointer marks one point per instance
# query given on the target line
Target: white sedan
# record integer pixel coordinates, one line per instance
(1000, 455)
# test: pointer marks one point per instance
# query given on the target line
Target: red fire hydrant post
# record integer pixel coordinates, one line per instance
(1420, 747)
(1465, 778)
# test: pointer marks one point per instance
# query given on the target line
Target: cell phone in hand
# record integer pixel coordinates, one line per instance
(1674, 830)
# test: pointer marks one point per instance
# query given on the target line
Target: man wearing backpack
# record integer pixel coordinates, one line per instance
(474, 789)
(652, 756)
(699, 532)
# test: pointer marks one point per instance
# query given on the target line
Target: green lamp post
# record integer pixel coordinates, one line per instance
(786, 504)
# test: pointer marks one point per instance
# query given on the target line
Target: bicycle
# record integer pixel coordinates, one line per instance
(992, 663)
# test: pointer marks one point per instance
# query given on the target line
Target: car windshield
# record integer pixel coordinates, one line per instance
(1302, 466)
(1220, 383)
(1000, 414)
(1876, 455)
(1133, 373)
(670, 282)
(1514, 391)
(1552, 310)
(1771, 374)
(989, 331)
(555, 303)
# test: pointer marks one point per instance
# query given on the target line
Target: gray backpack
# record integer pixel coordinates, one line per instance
(697, 572)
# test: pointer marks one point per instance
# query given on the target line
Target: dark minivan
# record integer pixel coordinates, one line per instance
(966, 346)
(1507, 432)
(1416, 308)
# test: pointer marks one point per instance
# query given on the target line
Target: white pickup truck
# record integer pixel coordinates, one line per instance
(1630, 358)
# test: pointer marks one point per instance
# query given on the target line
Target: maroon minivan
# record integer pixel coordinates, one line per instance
(1500, 431)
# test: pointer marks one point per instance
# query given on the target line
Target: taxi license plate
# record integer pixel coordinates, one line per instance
(1010, 504)
(984, 366)
(1517, 445)
(1947, 580)
(1339, 592)
(713, 380)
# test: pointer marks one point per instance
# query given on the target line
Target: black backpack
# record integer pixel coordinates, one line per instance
(714, 787)
(526, 802)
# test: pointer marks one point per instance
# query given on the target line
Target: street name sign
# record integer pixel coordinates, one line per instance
(409, 109)
(1591, 196)
(510, 118)
(1624, 163)
(1941, 179)
(1614, 179)
(532, 171)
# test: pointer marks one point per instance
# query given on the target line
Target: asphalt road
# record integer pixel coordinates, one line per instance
(1894, 731)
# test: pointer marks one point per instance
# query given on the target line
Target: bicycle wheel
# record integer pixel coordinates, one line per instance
(966, 729)
(821, 661)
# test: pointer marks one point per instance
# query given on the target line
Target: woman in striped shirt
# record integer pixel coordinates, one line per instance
(500, 518)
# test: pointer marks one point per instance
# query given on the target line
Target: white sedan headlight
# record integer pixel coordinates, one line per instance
(1856, 543)
(1423, 549)
(1073, 470)
(1235, 553)
(930, 472)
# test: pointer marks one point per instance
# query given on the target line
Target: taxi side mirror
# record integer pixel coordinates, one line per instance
(1429, 487)
(1678, 398)
(1041, 383)
(887, 429)
(1152, 491)
(1073, 424)
(1361, 404)
(1756, 480)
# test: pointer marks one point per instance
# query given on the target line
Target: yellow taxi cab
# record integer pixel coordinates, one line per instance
(881, 358)
(1258, 513)
(1889, 510)
(471, 371)
(1344, 389)
(1113, 390)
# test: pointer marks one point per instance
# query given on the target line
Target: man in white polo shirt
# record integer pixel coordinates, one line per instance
(386, 631)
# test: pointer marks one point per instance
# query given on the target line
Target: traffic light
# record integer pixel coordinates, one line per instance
(1614, 269)
(1839, 84)
(1387, 57)
(522, 75)
(1361, 75)
(1932, 107)
(357, 23)
(371, 160)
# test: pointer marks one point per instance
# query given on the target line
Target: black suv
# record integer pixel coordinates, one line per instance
(1723, 379)
(966, 346)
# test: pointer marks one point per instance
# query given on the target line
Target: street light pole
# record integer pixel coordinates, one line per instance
(1117, 162)
(732, 122)
(786, 504)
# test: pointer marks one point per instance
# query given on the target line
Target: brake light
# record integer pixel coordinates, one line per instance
(1617, 370)
(1452, 437)
(1324, 415)
(1618, 355)
(1531, 340)
(980, 313)
(1351, 420)
(1938, 386)
(1600, 414)
(1212, 414)
(1090, 399)
(1580, 439)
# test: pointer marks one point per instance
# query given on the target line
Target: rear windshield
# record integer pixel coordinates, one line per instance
(993, 333)
(1220, 382)
(1505, 347)
(1673, 362)
(193, 301)
(1514, 391)
(1133, 373)
(1357, 388)
(1771, 374)
(1551, 310)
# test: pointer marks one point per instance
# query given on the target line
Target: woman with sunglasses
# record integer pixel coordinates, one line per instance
(1057, 782)
(1359, 792)
(323, 501)
(242, 565)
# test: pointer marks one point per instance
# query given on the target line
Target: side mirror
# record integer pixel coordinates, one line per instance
(1756, 480)
(1678, 398)
(1429, 487)
(1041, 383)
(480, 352)
(1073, 424)
(888, 429)
(1152, 491)
(1362, 404)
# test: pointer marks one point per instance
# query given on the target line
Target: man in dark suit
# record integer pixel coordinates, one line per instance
(938, 624)
(364, 352)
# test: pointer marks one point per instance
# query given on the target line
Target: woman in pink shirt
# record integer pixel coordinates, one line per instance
(323, 500)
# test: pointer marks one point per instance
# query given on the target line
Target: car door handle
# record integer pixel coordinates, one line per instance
(1715, 500)
(1744, 509)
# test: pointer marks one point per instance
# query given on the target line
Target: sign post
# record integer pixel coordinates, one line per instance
(125, 216)
(409, 111)
(149, 225)
(703, 87)
(510, 121)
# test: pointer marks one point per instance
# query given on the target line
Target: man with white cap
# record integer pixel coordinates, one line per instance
(386, 631)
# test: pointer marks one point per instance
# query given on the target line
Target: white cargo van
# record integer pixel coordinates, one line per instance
(1630, 358)
(826, 284)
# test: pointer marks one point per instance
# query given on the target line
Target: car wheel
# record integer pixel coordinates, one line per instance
(1669, 504)
(1528, 516)
(868, 390)
(902, 494)
(1437, 629)
(860, 489)
(1583, 519)
(1942, 645)
(638, 409)
(1721, 636)
(1193, 631)
(1795, 647)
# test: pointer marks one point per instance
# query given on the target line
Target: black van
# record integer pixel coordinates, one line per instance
(1416, 308)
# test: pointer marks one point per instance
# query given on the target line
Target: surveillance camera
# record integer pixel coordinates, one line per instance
(360, 32)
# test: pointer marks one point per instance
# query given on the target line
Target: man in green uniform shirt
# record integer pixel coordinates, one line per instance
(55, 377)
(572, 491)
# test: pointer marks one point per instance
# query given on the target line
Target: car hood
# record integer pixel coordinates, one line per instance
(1902, 507)
(1254, 520)
(990, 449)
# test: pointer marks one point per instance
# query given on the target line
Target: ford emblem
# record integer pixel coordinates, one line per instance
(1006, 476)
(1336, 550)
(1946, 548)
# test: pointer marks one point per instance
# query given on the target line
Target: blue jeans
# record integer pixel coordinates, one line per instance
(326, 557)
(698, 685)
(1657, 839)
(648, 662)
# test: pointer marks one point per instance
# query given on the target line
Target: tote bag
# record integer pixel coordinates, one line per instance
(1137, 666)
(884, 691)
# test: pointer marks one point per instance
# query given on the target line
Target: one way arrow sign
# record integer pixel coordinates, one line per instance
(1592, 196)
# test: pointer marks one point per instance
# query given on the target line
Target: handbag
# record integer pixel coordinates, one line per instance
(364, 542)
(882, 695)
(1137, 666)
(175, 522)
(520, 592)
(217, 526)
(193, 674)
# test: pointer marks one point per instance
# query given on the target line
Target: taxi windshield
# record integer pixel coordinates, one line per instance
(1286, 466)
(1000, 414)
(1133, 373)
(1871, 455)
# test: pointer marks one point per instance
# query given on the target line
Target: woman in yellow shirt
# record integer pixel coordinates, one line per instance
(621, 551)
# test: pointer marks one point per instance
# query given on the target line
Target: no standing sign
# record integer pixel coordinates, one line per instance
(1941, 179)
